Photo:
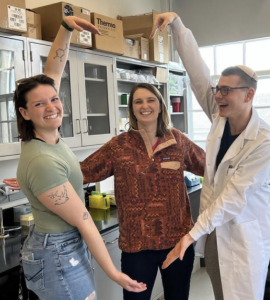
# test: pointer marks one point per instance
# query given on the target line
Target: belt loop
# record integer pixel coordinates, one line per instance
(45, 240)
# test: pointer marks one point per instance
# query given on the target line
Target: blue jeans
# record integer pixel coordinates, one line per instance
(56, 266)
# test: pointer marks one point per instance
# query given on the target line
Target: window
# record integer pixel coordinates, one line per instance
(253, 53)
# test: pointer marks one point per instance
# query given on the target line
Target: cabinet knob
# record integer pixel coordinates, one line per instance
(112, 242)
(78, 127)
(86, 125)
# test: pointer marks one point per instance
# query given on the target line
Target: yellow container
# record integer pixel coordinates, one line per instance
(98, 201)
(100, 214)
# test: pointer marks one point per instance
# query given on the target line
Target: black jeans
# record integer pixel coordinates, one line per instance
(143, 266)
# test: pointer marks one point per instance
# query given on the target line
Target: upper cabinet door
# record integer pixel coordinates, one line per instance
(71, 125)
(97, 98)
(12, 68)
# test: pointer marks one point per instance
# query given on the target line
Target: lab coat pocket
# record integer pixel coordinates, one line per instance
(247, 247)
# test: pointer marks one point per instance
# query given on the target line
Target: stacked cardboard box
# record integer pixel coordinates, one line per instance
(53, 14)
(33, 25)
(158, 47)
(140, 47)
(13, 16)
(111, 29)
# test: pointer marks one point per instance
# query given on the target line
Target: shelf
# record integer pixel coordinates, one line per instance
(134, 81)
(122, 106)
(6, 69)
(3, 97)
(97, 115)
(66, 115)
(95, 79)
(176, 113)
(176, 95)
(14, 203)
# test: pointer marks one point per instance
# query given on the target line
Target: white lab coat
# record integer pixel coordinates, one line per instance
(235, 198)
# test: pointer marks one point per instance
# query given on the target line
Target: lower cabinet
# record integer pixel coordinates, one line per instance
(105, 287)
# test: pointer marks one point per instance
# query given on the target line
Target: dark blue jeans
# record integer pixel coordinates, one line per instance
(143, 266)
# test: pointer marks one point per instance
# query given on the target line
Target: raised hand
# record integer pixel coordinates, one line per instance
(178, 251)
(81, 24)
(162, 21)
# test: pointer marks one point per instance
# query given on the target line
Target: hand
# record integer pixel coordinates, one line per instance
(129, 284)
(162, 21)
(81, 24)
(178, 251)
(12, 183)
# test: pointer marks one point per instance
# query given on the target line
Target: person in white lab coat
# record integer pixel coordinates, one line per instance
(234, 222)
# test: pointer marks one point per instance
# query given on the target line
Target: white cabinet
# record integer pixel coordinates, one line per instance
(96, 93)
(12, 68)
(105, 287)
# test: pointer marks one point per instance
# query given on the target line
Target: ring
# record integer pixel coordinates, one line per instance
(15, 182)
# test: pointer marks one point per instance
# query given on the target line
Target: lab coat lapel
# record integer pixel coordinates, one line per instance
(213, 145)
(249, 133)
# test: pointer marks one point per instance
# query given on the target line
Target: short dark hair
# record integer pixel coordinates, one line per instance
(245, 78)
(163, 122)
(24, 86)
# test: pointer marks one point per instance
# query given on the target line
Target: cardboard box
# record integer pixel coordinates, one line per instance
(53, 14)
(159, 46)
(13, 16)
(33, 25)
(111, 29)
(131, 48)
(161, 74)
(143, 45)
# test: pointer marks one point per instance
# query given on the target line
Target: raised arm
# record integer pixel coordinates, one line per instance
(189, 53)
(55, 64)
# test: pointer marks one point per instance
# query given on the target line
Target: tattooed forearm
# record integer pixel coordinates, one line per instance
(61, 198)
(85, 215)
(60, 53)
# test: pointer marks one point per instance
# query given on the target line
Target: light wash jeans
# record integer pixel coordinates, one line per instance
(56, 266)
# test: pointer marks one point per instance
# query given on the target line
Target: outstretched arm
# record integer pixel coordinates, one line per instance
(55, 64)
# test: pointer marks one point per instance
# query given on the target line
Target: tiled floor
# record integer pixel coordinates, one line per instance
(201, 288)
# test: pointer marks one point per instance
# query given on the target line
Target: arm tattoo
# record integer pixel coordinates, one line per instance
(85, 215)
(60, 53)
(60, 199)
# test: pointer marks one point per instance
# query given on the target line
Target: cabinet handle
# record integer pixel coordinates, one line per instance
(86, 122)
(78, 122)
(112, 242)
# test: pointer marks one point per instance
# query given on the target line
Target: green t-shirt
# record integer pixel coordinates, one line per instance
(42, 167)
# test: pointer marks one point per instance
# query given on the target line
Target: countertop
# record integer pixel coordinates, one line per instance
(107, 219)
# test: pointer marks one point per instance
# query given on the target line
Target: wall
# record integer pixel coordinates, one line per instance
(218, 21)
(106, 7)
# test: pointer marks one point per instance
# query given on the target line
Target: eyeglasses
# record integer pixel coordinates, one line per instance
(224, 90)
